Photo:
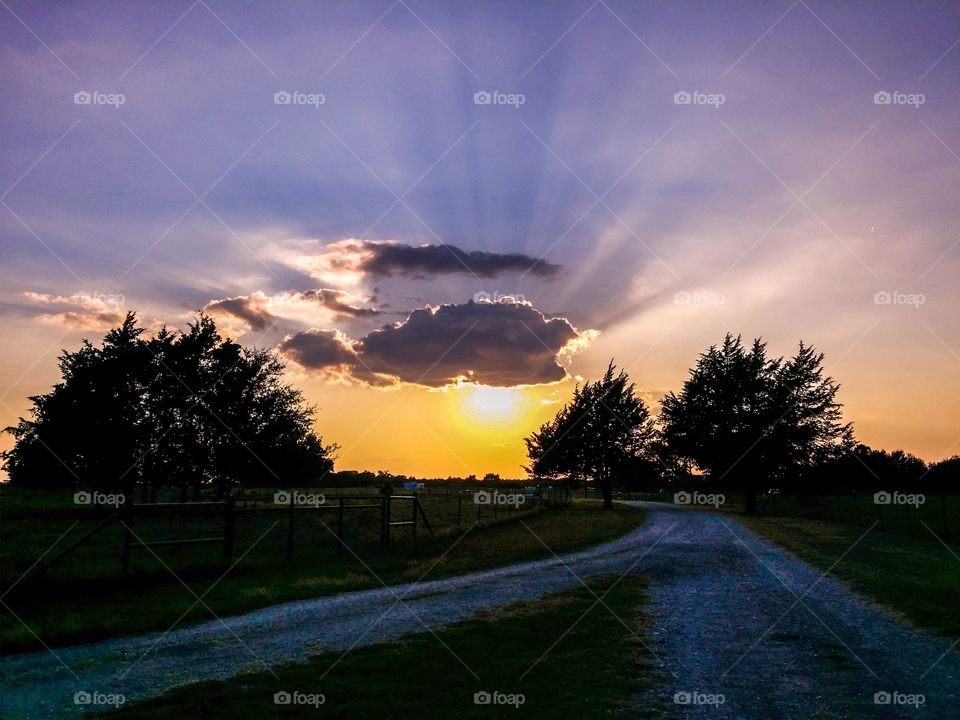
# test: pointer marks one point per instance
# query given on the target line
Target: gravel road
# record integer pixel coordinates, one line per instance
(733, 617)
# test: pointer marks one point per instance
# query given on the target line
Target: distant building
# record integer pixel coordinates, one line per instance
(412, 485)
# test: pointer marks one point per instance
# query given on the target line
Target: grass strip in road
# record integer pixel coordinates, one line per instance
(115, 609)
(918, 579)
(597, 670)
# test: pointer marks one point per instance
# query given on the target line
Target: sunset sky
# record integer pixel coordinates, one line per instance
(358, 184)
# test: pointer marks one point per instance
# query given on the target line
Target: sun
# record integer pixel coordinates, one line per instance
(492, 406)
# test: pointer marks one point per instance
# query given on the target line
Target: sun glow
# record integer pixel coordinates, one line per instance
(489, 407)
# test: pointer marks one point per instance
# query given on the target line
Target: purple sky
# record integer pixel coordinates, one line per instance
(778, 202)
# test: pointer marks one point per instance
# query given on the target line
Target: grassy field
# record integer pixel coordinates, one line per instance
(595, 671)
(909, 562)
(938, 513)
(35, 522)
(917, 578)
(70, 610)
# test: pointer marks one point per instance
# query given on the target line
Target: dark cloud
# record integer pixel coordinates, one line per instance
(244, 307)
(319, 349)
(486, 343)
(391, 258)
(334, 300)
(259, 310)
(395, 259)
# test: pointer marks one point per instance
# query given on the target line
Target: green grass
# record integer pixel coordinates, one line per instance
(596, 670)
(940, 513)
(911, 576)
(73, 611)
(34, 522)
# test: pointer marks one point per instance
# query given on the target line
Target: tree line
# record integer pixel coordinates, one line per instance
(742, 419)
(194, 410)
(184, 409)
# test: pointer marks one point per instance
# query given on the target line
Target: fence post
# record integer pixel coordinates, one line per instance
(856, 505)
(459, 502)
(127, 536)
(880, 515)
(340, 526)
(909, 520)
(389, 516)
(228, 526)
(290, 526)
(413, 528)
(385, 521)
(943, 514)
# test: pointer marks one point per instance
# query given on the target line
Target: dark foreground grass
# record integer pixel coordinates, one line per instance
(597, 669)
(81, 613)
(919, 579)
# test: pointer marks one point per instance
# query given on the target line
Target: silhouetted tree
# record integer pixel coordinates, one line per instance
(944, 476)
(550, 458)
(745, 418)
(594, 436)
(184, 409)
(864, 468)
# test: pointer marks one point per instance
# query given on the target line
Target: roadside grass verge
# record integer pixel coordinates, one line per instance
(80, 612)
(919, 579)
(597, 669)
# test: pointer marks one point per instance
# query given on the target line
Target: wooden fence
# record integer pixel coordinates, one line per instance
(258, 526)
(935, 512)
(396, 511)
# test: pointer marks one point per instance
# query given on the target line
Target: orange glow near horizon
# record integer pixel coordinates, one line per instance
(458, 430)
(472, 429)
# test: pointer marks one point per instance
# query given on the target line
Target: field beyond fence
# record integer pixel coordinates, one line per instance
(54, 537)
(933, 516)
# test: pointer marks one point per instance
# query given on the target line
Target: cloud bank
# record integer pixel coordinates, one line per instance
(80, 311)
(358, 258)
(259, 311)
(491, 344)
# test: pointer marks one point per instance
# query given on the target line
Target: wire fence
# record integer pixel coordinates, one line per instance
(48, 539)
(915, 514)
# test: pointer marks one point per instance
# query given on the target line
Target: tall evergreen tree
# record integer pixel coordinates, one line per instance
(747, 419)
(595, 435)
